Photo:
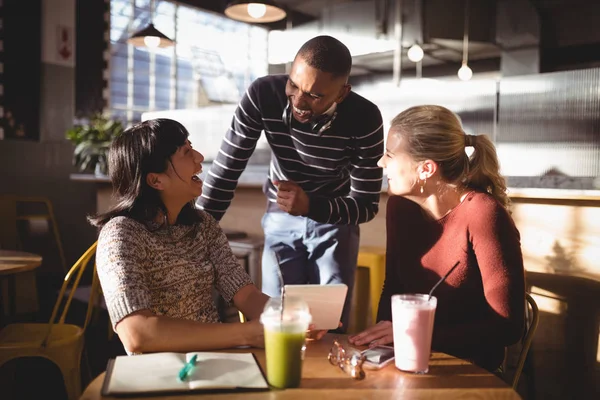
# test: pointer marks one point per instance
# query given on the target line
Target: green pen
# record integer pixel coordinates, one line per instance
(187, 368)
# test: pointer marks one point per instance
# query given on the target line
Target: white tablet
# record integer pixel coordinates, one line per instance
(326, 302)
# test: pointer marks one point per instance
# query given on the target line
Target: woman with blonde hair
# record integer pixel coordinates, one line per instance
(447, 207)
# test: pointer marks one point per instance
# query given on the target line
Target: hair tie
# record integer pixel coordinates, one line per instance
(470, 140)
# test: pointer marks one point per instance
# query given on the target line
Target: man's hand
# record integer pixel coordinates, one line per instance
(291, 198)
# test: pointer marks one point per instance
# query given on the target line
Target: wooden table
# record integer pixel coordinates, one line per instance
(12, 263)
(448, 377)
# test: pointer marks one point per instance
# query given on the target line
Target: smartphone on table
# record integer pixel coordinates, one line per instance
(378, 357)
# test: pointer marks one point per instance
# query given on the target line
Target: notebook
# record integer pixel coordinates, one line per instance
(157, 373)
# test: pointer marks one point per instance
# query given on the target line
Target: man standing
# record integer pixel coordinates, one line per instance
(323, 178)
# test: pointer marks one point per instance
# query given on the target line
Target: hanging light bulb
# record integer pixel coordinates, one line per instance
(415, 53)
(256, 10)
(152, 41)
(465, 73)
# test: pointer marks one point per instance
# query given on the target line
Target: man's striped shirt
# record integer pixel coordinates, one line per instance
(337, 169)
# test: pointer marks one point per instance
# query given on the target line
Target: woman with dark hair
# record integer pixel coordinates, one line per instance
(446, 207)
(159, 258)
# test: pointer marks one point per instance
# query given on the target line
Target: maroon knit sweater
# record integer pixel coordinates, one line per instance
(481, 305)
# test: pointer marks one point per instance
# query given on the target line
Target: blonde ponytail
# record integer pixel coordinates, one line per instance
(484, 170)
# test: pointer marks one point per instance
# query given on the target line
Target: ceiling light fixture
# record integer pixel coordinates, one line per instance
(415, 53)
(465, 73)
(255, 11)
(150, 37)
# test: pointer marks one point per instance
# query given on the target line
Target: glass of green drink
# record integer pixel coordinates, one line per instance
(285, 334)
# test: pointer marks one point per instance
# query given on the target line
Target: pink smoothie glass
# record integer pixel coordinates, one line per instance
(412, 321)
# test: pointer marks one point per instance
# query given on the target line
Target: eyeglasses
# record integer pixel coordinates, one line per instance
(349, 359)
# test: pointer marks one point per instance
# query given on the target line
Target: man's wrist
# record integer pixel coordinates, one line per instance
(307, 211)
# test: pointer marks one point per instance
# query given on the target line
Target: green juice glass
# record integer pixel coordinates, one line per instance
(285, 335)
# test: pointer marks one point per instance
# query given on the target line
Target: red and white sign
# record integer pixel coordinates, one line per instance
(58, 32)
(64, 41)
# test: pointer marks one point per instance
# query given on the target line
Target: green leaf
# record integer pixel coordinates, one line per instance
(92, 140)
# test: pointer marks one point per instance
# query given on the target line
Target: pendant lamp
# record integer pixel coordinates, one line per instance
(465, 73)
(255, 11)
(150, 37)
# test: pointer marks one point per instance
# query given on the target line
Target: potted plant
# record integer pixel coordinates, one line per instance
(92, 139)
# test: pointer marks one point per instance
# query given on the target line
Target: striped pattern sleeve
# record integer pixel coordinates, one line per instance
(362, 203)
(236, 149)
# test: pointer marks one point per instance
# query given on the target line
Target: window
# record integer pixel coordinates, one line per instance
(213, 61)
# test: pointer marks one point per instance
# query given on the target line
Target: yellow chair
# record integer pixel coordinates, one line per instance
(531, 321)
(373, 259)
(58, 342)
(29, 224)
(39, 209)
(18, 211)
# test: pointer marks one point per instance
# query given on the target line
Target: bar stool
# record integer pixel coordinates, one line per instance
(373, 259)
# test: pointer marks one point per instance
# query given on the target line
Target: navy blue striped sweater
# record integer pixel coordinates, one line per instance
(338, 169)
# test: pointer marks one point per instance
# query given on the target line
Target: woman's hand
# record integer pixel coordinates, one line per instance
(313, 334)
(254, 334)
(380, 334)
